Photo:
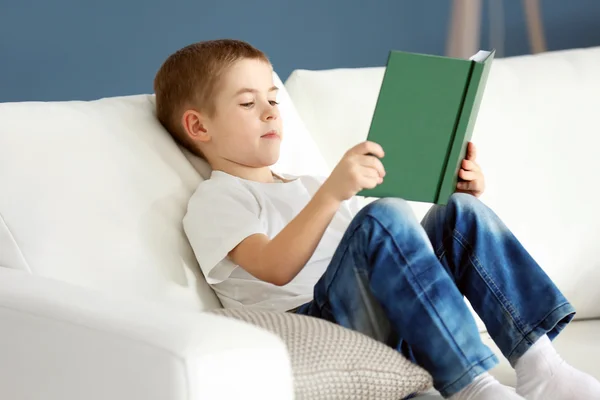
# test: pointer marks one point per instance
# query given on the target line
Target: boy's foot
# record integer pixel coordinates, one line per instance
(543, 375)
(486, 387)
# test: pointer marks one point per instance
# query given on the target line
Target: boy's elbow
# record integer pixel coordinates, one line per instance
(272, 269)
(279, 279)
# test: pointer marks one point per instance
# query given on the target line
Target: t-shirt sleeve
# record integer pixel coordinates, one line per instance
(220, 217)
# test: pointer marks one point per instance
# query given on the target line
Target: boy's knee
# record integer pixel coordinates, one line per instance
(468, 209)
(391, 209)
(464, 202)
(397, 218)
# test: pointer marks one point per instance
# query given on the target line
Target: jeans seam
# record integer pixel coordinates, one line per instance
(476, 262)
(398, 248)
(441, 250)
(530, 331)
(440, 254)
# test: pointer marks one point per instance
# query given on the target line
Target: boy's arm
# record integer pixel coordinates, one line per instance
(280, 259)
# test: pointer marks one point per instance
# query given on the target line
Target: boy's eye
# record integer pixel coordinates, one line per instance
(251, 103)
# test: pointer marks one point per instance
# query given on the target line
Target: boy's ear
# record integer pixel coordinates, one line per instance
(194, 125)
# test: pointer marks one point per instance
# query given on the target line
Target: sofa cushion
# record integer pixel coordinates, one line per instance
(93, 193)
(330, 362)
(537, 136)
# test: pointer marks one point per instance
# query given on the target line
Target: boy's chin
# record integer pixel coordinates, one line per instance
(261, 159)
(273, 162)
(270, 161)
(264, 163)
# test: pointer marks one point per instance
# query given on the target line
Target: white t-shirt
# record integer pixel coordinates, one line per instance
(226, 209)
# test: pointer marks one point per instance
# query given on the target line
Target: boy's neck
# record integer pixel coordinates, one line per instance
(262, 174)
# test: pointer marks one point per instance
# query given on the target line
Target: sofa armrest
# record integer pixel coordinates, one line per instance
(60, 341)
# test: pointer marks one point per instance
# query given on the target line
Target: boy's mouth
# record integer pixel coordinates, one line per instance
(270, 135)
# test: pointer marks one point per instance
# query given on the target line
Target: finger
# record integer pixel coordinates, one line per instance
(368, 172)
(474, 184)
(470, 165)
(372, 162)
(466, 186)
(369, 177)
(368, 148)
(471, 151)
(369, 182)
(467, 175)
(371, 174)
(471, 186)
(474, 187)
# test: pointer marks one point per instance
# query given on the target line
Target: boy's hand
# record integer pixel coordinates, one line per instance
(471, 174)
(359, 169)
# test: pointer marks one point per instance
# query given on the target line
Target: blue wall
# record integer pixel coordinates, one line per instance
(78, 49)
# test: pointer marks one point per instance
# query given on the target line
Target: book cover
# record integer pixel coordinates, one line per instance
(423, 119)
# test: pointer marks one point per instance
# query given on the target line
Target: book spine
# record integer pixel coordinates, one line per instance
(438, 198)
(464, 131)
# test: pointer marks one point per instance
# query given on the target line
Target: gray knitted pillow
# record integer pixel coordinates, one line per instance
(330, 362)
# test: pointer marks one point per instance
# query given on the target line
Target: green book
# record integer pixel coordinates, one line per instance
(424, 119)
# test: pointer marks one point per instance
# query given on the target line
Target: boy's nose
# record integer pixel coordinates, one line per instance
(270, 114)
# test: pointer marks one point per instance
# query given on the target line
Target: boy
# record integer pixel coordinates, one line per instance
(302, 244)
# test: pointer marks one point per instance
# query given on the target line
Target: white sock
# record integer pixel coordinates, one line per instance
(543, 375)
(486, 387)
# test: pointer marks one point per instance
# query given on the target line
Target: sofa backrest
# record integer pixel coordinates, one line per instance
(93, 193)
(538, 135)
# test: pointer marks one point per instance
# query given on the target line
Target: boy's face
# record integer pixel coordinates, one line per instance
(245, 128)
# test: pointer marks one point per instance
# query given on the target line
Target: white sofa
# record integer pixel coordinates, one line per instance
(538, 135)
(100, 293)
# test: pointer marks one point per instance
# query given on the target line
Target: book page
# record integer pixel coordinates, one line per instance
(480, 56)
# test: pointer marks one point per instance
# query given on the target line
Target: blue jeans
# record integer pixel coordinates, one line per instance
(402, 283)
